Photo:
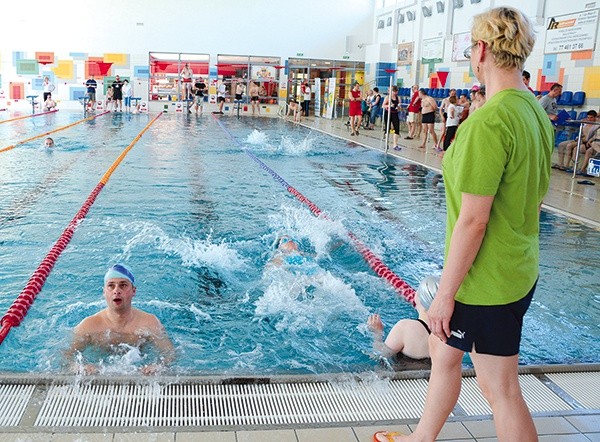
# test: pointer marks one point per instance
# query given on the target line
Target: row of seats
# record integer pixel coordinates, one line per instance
(568, 98)
(433, 92)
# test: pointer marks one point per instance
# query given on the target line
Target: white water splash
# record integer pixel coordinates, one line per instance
(193, 252)
(257, 138)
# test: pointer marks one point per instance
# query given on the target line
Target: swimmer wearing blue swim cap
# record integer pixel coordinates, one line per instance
(119, 271)
(120, 323)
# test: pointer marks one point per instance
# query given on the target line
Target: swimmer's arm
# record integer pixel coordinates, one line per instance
(81, 341)
(376, 326)
(164, 345)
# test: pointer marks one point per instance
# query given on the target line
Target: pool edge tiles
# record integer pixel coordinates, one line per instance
(133, 402)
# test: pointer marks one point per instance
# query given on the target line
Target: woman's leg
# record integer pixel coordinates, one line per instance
(442, 392)
(498, 378)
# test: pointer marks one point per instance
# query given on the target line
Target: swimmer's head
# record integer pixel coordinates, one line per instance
(286, 243)
(427, 291)
(119, 271)
(48, 142)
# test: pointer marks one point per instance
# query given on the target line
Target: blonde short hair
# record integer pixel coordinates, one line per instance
(508, 35)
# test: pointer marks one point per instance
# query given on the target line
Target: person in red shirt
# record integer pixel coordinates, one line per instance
(414, 114)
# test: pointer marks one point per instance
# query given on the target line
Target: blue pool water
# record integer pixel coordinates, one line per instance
(196, 219)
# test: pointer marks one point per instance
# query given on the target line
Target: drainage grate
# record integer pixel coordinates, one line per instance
(539, 398)
(13, 400)
(582, 386)
(230, 405)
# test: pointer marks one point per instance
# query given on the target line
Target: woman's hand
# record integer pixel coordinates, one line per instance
(439, 315)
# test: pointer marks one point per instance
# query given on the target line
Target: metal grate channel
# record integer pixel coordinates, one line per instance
(13, 401)
(230, 405)
(538, 397)
(582, 386)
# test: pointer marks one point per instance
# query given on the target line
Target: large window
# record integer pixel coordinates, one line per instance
(251, 74)
(165, 73)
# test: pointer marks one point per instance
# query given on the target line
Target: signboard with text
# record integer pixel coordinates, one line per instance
(571, 32)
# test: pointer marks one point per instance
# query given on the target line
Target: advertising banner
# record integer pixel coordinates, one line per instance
(571, 32)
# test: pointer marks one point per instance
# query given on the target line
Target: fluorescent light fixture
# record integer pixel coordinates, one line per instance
(426, 11)
(457, 4)
(440, 7)
(410, 15)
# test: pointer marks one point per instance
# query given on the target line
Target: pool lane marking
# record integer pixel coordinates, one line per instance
(20, 307)
(28, 116)
(378, 266)
(4, 149)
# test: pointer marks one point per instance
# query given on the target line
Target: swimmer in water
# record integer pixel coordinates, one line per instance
(48, 142)
(409, 338)
(288, 253)
(120, 323)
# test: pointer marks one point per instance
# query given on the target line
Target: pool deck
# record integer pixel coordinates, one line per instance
(565, 401)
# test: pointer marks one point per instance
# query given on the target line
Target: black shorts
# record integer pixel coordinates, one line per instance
(220, 99)
(255, 99)
(493, 330)
(238, 97)
(428, 118)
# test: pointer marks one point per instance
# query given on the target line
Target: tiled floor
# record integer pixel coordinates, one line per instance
(565, 195)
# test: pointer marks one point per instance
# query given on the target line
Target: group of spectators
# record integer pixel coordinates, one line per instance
(118, 95)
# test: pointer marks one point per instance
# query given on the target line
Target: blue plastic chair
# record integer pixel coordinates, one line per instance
(578, 99)
(565, 98)
(582, 115)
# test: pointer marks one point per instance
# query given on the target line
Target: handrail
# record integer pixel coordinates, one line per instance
(21, 305)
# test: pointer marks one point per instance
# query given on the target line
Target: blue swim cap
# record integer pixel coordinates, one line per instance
(119, 271)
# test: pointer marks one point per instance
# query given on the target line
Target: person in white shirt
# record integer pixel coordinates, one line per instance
(306, 95)
(127, 94)
(452, 121)
(48, 88)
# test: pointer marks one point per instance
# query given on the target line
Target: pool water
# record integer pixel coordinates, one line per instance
(196, 219)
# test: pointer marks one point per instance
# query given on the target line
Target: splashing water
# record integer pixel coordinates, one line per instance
(257, 138)
(306, 301)
(193, 252)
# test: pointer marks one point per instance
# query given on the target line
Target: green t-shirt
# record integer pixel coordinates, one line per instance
(504, 150)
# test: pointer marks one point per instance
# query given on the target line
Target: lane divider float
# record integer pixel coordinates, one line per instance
(28, 116)
(21, 305)
(4, 149)
(377, 265)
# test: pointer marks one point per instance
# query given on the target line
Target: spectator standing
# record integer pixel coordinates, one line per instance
(199, 88)
(496, 176)
(428, 108)
(48, 87)
(127, 94)
(117, 87)
(375, 107)
(306, 94)
(91, 85)
(414, 114)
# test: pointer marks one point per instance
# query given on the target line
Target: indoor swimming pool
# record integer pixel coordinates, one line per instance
(196, 219)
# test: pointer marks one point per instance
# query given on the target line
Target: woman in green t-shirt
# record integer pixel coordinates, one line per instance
(496, 173)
